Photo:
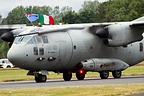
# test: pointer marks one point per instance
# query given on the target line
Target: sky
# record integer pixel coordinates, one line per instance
(7, 5)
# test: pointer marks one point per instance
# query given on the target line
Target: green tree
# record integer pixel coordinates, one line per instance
(120, 10)
(16, 16)
(56, 14)
(4, 46)
(70, 17)
(87, 14)
(63, 14)
(89, 11)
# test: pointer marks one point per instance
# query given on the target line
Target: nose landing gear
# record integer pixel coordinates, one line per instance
(40, 78)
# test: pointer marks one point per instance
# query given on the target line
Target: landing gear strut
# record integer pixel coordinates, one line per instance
(67, 76)
(104, 74)
(40, 78)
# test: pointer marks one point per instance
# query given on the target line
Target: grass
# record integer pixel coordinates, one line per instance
(16, 74)
(100, 90)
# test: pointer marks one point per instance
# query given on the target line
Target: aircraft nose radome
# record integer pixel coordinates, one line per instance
(10, 55)
(15, 56)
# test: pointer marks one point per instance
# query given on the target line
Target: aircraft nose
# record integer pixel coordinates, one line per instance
(15, 56)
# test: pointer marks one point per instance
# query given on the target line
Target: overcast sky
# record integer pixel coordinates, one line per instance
(8, 5)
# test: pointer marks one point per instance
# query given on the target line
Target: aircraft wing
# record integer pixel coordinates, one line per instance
(8, 28)
(114, 34)
(137, 24)
(63, 28)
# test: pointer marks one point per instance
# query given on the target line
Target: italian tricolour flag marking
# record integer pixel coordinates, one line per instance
(44, 19)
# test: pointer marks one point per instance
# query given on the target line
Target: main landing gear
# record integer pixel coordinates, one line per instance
(67, 75)
(116, 74)
(105, 74)
(80, 75)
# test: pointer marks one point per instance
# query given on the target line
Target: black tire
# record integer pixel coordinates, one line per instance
(8, 66)
(104, 74)
(67, 76)
(80, 76)
(116, 74)
(40, 78)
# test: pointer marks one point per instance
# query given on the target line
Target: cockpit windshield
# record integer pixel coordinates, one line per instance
(25, 39)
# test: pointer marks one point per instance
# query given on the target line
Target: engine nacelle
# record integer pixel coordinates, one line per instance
(120, 34)
(97, 64)
(8, 36)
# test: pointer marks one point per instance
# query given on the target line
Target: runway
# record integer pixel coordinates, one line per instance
(73, 82)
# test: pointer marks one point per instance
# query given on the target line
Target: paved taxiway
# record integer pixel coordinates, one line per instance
(73, 82)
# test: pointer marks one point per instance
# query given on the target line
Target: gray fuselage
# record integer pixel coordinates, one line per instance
(63, 50)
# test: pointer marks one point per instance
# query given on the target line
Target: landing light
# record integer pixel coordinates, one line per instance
(81, 71)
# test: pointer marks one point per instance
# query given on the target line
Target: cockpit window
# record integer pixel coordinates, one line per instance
(45, 39)
(25, 39)
(38, 39)
(32, 41)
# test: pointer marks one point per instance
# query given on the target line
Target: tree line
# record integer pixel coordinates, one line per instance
(91, 12)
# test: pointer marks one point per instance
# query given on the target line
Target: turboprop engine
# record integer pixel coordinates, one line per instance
(10, 36)
(120, 34)
(102, 64)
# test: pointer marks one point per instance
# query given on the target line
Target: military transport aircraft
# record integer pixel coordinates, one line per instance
(76, 48)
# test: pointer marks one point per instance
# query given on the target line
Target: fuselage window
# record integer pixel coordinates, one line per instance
(141, 46)
(45, 39)
(41, 51)
(35, 50)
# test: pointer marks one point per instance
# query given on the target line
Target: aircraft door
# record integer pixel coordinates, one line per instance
(58, 50)
(65, 50)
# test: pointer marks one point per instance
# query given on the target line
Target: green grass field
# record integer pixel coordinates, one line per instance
(99, 90)
(16, 74)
